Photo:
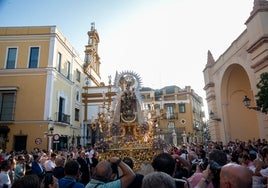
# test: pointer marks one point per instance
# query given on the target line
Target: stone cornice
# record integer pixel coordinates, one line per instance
(208, 85)
(260, 64)
(258, 43)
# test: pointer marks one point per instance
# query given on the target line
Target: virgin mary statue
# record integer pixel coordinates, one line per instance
(127, 103)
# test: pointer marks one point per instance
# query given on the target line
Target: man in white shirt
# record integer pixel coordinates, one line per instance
(50, 163)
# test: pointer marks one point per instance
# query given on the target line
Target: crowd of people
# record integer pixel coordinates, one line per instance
(210, 165)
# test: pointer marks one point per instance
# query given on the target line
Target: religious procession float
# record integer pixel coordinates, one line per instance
(125, 129)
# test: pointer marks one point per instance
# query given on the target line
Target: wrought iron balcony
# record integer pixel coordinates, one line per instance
(6, 120)
(171, 116)
(63, 118)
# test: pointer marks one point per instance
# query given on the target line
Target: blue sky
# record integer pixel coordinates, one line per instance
(164, 41)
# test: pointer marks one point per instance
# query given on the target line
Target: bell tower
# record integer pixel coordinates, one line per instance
(92, 59)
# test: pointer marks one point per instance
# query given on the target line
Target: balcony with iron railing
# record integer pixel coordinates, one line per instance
(62, 118)
(171, 115)
(6, 118)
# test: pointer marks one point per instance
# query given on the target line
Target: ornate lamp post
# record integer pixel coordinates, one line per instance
(184, 137)
(50, 138)
(247, 101)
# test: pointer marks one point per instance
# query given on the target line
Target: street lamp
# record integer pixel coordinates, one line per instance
(247, 101)
(50, 138)
(51, 129)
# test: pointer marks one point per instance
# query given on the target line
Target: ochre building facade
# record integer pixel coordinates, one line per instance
(41, 79)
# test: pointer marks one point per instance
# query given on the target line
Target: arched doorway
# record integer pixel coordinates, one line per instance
(239, 122)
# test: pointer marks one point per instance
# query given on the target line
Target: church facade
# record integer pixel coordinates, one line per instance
(235, 75)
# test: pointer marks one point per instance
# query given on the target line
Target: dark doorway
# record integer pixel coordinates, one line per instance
(20, 143)
(61, 144)
(61, 109)
(4, 130)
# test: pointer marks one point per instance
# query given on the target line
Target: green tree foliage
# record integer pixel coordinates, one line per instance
(262, 95)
